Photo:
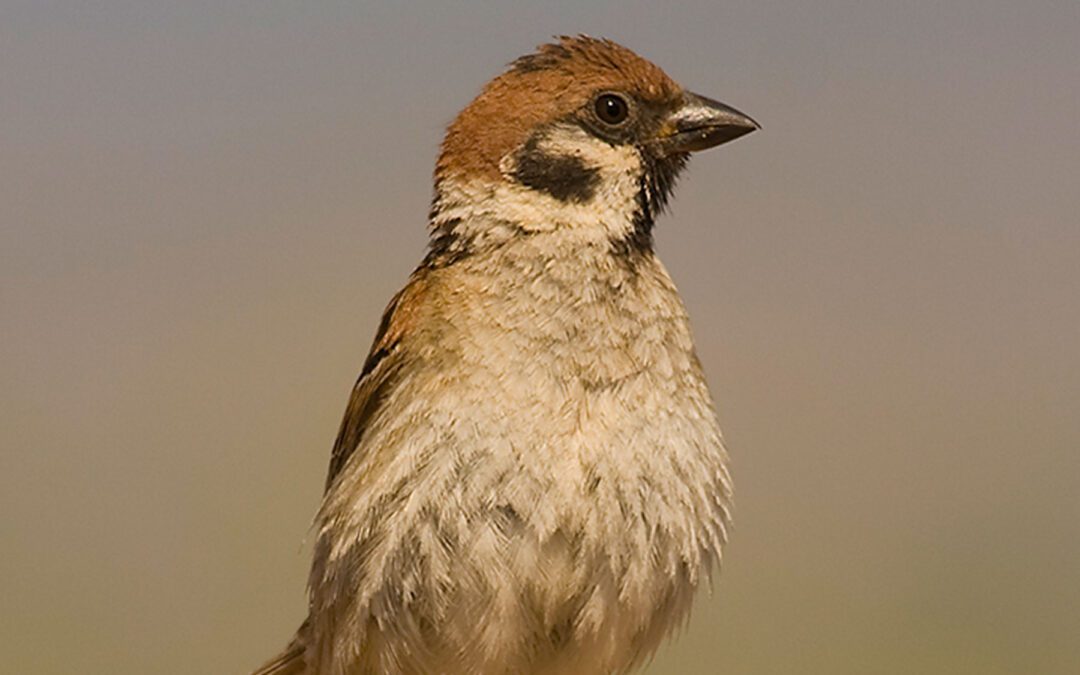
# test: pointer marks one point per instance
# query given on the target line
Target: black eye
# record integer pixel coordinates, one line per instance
(611, 109)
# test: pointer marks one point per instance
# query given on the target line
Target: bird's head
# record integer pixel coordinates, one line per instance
(583, 136)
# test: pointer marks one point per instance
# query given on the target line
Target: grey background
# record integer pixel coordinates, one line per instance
(204, 207)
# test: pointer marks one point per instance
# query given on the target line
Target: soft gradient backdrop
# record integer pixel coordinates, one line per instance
(205, 206)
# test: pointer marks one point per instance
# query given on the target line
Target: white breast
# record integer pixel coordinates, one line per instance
(548, 486)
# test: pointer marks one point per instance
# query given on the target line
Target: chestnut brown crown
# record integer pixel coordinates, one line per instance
(557, 82)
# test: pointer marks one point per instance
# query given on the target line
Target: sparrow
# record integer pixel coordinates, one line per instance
(530, 476)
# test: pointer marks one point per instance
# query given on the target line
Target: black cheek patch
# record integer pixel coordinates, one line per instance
(564, 177)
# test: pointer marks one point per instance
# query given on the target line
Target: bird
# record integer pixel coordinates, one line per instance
(530, 476)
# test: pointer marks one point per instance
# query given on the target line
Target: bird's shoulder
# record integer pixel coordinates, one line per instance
(381, 367)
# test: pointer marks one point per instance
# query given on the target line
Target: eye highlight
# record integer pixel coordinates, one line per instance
(612, 109)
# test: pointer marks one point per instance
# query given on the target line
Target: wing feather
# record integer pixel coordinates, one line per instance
(289, 662)
(379, 373)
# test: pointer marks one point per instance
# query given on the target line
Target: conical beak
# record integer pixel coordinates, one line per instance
(701, 123)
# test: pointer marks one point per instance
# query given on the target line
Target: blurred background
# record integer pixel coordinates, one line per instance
(204, 207)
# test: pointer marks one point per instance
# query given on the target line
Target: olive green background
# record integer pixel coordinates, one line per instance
(204, 207)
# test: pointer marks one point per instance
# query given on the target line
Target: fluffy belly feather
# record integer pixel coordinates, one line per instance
(554, 516)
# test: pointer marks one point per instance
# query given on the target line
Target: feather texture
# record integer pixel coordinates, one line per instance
(529, 476)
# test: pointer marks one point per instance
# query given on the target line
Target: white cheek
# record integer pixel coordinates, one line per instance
(619, 166)
(572, 141)
(608, 214)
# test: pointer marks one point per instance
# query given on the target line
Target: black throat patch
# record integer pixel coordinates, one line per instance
(564, 177)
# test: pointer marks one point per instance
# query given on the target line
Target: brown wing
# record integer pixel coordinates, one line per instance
(289, 662)
(379, 373)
